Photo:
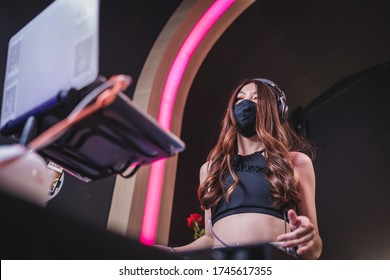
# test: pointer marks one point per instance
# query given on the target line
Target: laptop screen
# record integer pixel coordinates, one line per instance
(55, 51)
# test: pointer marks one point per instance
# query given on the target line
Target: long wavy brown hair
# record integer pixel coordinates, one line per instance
(278, 139)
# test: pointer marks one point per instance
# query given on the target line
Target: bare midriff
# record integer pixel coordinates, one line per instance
(248, 229)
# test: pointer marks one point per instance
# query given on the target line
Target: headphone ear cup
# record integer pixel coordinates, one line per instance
(282, 110)
(285, 113)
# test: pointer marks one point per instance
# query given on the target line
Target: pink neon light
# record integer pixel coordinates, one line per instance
(156, 177)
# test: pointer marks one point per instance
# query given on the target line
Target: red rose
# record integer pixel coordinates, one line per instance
(195, 218)
(195, 221)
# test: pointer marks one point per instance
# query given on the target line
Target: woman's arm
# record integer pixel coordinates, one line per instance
(305, 232)
(205, 241)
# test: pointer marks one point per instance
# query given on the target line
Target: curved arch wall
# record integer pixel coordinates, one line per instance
(140, 208)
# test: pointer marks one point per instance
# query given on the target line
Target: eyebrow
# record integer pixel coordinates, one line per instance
(255, 92)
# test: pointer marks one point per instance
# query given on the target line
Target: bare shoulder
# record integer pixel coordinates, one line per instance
(204, 168)
(203, 171)
(301, 160)
(303, 169)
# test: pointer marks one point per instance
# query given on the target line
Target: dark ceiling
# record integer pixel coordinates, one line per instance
(305, 46)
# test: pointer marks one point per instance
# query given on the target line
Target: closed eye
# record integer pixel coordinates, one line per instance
(239, 98)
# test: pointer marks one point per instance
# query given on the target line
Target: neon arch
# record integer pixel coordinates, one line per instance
(128, 210)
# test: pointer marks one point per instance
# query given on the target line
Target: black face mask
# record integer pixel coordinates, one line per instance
(245, 113)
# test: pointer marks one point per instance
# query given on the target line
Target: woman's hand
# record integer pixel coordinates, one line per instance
(164, 248)
(303, 233)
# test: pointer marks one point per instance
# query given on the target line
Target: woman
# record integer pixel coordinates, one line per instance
(258, 184)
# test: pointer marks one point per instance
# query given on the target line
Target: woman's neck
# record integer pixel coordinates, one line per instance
(247, 146)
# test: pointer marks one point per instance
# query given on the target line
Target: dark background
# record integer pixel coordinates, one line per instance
(330, 59)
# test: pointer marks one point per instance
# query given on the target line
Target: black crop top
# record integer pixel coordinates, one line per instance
(252, 194)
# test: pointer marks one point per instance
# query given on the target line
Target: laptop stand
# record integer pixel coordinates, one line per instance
(97, 132)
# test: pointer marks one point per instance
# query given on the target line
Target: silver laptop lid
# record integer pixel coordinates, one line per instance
(55, 51)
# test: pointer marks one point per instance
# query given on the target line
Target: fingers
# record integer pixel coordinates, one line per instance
(302, 235)
(304, 248)
(305, 239)
(296, 234)
(293, 218)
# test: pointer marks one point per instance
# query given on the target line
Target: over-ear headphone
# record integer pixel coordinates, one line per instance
(281, 99)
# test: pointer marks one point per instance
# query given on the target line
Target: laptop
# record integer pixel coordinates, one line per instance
(52, 69)
(57, 50)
